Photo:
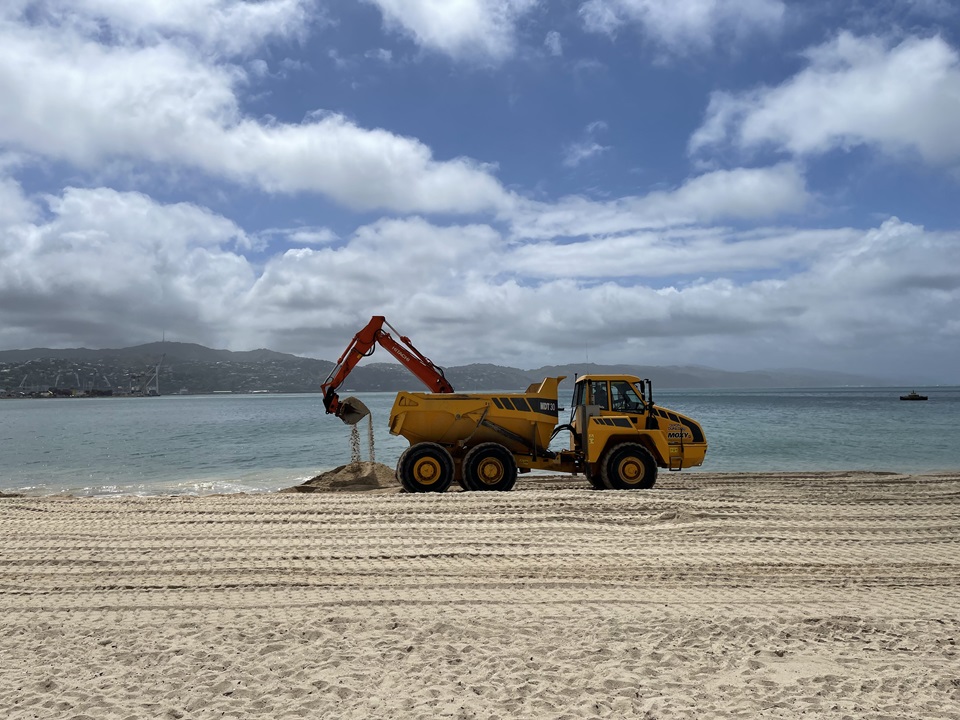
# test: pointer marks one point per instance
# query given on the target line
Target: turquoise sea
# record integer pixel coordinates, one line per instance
(258, 443)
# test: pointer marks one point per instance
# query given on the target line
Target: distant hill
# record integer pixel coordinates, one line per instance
(199, 369)
(174, 351)
(672, 377)
(184, 367)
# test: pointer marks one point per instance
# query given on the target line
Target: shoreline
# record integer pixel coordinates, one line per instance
(728, 595)
(533, 480)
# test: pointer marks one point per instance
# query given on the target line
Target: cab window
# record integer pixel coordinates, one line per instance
(577, 400)
(625, 397)
(599, 394)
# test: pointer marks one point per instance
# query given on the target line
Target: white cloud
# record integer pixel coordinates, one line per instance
(681, 25)
(482, 29)
(601, 16)
(357, 167)
(578, 152)
(743, 193)
(101, 267)
(77, 100)
(855, 91)
(71, 98)
(881, 290)
(312, 236)
(299, 237)
(381, 54)
(303, 291)
(587, 147)
(694, 252)
(108, 268)
(14, 206)
(553, 43)
(847, 292)
(112, 266)
(225, 26)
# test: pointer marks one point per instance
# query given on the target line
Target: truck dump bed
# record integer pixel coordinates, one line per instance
(522, 422)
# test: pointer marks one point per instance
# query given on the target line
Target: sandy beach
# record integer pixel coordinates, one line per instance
(713, 596)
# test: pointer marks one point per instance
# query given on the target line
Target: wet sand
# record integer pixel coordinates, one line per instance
(713, 596)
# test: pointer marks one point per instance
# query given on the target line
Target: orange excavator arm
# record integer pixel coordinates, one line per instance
(363, 345)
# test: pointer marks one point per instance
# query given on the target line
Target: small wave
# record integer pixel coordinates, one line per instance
(256, 482)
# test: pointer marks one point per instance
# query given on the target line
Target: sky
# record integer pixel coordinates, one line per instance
(739, 184)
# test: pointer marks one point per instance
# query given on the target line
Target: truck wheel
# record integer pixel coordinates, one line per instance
(425, 467)
(629, 466)
(489, 466)
(596, 482)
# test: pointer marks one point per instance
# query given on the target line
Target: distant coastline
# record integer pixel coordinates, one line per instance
(194, 369)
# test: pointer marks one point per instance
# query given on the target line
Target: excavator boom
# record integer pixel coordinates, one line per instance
(351, 410)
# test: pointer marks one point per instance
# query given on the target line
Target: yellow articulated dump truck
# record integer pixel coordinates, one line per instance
(618, 436)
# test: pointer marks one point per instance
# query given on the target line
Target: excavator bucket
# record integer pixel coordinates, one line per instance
(352, 410)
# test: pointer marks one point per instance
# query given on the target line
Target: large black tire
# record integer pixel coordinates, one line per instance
(596, 482)
(628, 466)
(425, 467)
(489, 466)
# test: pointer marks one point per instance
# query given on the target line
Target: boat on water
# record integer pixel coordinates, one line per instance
(913, 395)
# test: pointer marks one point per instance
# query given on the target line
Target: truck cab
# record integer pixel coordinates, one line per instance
(619, 393)
(622, 436)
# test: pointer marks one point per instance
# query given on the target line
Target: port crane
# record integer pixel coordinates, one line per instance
(150, 384)
(67, 373)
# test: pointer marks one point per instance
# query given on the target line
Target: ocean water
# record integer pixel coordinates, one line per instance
(259, 443)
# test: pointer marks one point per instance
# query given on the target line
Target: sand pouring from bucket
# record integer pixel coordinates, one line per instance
(352, 410)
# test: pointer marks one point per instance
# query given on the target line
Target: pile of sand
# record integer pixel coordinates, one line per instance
(353, 477)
